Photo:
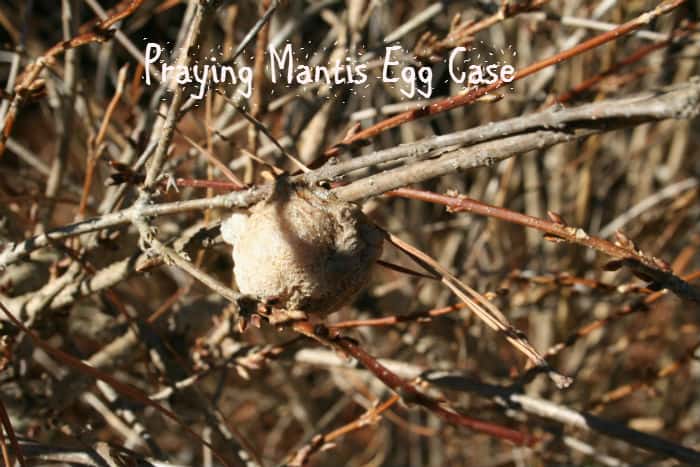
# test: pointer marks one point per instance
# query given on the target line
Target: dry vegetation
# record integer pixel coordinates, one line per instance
(535, 231)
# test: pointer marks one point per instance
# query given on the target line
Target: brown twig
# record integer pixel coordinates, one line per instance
(483, 308)
(471, 96)
(257, 102)
(323, 441)
(391, 320)
(411, 395)
(636, 307)
(99, 33)
(557, 230)
(7, 425)
(125, 389)
(95, 147)
(620, 392)
(611, 70)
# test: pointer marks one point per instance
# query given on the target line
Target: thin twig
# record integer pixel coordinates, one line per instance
(464, 99)
(558, 230)
(481, 307)
(125, 389)
(168, 129)
(23, 90)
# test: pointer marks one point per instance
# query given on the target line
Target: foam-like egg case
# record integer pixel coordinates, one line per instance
(302, 252)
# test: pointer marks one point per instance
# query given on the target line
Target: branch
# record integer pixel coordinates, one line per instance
(460, 100)
(558, 230)
(168, 129)
(23, 90)
(677, 102)
(237, 199)
(405, 389)
(555, 127)
(514, 400)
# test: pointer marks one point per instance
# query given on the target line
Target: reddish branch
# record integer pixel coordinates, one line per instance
(430, 47)
(464, 99)
(625, 311)
(623, 250)
(390, 320)
(124, 389)
(590, 82)
(408, 392)
(322, 442)
(411, 395)
(7, 424)
(99, 33)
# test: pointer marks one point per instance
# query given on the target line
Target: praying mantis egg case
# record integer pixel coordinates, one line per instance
(301, 252)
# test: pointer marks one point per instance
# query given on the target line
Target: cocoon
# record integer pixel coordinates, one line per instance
(301, 251)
